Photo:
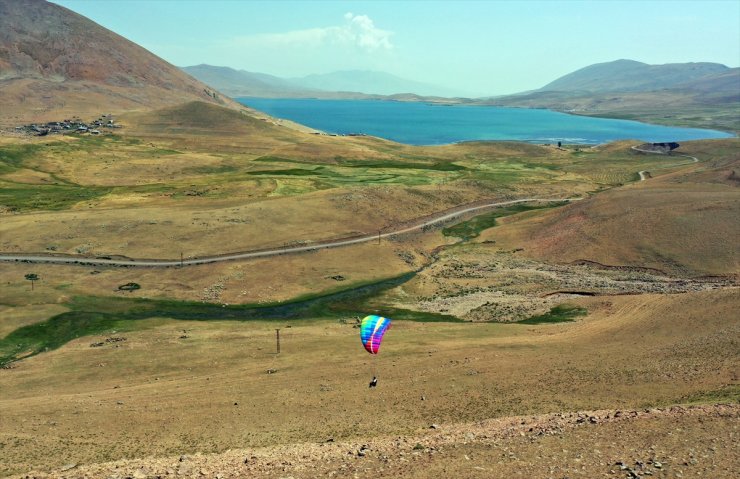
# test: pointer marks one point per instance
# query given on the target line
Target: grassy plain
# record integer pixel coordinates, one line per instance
(191, 374)
(159, 393)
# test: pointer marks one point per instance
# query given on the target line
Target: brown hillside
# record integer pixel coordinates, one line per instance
(681, 223)
(56, 62)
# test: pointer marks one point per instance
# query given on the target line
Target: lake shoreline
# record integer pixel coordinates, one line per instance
(421, 123)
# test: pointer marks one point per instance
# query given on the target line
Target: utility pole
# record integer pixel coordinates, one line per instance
(277, 336)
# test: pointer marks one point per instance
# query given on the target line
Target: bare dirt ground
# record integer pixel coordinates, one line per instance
(605, 443)
(483, 282)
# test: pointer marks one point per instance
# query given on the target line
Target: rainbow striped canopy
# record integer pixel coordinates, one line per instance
(372, 330)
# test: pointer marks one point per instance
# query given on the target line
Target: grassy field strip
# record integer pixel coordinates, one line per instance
(40, 258)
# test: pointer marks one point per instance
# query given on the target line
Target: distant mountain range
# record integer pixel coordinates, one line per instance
(684, 94)
(704, 82)
(341, 84)
(629, 75)
(56, 62)
(370, 82)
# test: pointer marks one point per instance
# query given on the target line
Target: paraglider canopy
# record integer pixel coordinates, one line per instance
(372, 330)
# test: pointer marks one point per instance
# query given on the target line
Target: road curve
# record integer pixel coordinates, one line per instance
(637, 148)
(164, 263)
(644, 174)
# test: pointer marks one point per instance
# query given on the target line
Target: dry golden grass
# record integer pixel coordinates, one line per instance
(181, 180)
(260, 280)
(158, 394)
(682, 223)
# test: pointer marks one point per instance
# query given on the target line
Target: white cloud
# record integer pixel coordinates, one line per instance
(364, 34)
(358, 31)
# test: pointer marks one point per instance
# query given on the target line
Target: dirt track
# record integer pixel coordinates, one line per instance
(422, 224)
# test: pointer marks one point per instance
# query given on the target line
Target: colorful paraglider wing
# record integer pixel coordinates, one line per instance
(372, 330)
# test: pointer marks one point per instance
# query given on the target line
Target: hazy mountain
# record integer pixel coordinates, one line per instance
(370, 82)
(629, 75)
(236, 83)
(54, 61)
(344, 84)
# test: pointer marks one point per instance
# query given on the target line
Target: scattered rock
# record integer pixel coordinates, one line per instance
(67, 467)
(434, 426)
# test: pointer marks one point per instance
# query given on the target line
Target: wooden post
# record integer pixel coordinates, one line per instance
(378, 236)
(277, 336)
(181, 259)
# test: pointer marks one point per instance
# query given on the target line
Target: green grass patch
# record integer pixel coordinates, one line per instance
(562, 313)
(91, 315)
(15, 155)
(277, 159)
(471, 228)
(401, 165)
(388, 164)
(729, 393)
(25, 197)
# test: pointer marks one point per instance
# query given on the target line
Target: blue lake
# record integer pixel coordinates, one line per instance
(427, 124)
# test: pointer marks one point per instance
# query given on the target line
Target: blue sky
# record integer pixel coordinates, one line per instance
(475, 47)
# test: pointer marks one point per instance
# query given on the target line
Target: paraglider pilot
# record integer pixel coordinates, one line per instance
(372, 329)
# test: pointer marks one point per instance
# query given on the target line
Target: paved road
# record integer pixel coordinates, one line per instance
(163, 263)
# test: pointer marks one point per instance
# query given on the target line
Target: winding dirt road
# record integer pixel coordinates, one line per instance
(644, 174)
(164, 263)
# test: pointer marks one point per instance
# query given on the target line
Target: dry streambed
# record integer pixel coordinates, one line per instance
(481, 283)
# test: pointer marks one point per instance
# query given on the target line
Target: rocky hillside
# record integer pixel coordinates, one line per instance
(54, 62)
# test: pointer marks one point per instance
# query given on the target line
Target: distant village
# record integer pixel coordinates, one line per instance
(74, 125)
